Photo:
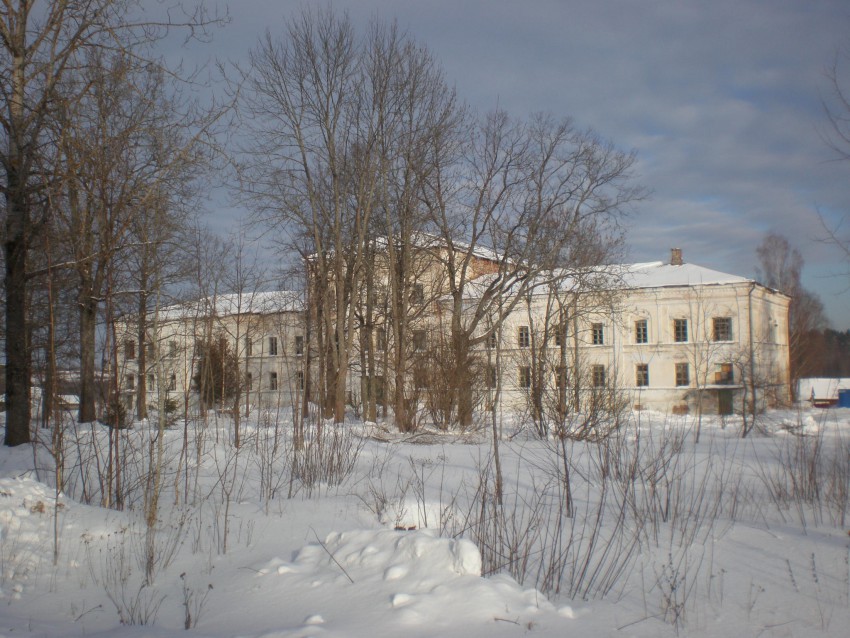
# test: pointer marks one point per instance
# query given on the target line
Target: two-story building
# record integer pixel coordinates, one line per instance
(669, 336)
(260, 334)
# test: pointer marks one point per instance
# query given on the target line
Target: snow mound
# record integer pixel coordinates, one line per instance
(410, 514)
(397, 554)
(26, 509)
(405, 578)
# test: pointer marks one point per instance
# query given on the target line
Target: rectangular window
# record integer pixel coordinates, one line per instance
(492, 340)
(597, 373)
(381, 339)
(249, 382)
(151, 382)
(172, 382)
(641, 331)
(273, 346)
(725, 374)
(420, 377)
(129, 349)
(172, 349)
(149, 350)
(272, 380)
(560, 335)
(680, 330)
(491, 376)
(561, 377)
(597, 336)
(131, 381)
(722, 329)
(299, 345)
(417, 294)
(301, 380)
(683, 374)
(249, 346)
(420, 340)
(524, 377)
(524, 337)
(642, 375)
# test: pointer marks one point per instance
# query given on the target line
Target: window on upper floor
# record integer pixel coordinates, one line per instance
(299, 345)
(151, 382)
(380, 339)
(641, 331)
(272, 380)
(172, 382)
(523, 337)
(172, 349)
(130, 381)
(560, 335)
(249, 382)
(597, 334)
(273, 346)
(129, 349)
(249, 346)
(680, 330)
(722, 329)
(492, 340)
(417, 294)
(561, 377)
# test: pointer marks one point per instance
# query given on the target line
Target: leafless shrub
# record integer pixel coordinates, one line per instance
(327, 457)
(111, 567)
(194, 602)
(810, 478)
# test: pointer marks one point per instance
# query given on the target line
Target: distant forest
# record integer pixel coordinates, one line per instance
(829, 354)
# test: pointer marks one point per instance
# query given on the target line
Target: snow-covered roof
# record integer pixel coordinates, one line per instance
(261, 303)
(821, 388)
(430, 241)
(653, 274)
(657, 274)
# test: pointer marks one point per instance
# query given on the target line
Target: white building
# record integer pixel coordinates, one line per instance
(672, 336)
(263, 332)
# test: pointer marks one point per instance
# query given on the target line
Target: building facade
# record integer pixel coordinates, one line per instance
(259, 337)
(674, 337)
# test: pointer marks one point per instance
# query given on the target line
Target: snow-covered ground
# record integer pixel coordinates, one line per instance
(369, 533)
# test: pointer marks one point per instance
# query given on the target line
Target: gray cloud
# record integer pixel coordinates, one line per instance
(721, 100)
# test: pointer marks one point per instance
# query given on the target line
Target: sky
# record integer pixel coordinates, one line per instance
(722, 101)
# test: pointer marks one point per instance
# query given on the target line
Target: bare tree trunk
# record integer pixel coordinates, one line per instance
(142, 340)
(88, 330)
(17, 333)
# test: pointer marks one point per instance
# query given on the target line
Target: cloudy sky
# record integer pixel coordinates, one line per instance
(721, 99)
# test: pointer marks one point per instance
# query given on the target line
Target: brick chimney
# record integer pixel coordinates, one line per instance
(676, 257)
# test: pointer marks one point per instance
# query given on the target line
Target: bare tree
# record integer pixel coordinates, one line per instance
(781, 267)
(529, 197)
(343, 126)
(419, 122)
(310, 170)
(41, 43)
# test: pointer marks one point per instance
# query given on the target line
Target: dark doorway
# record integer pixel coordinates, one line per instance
(724, 402)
